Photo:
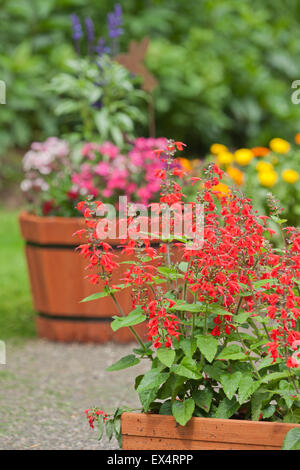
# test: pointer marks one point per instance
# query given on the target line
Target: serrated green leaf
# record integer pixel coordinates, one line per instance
(247, 387)
(230, 383)
(188, 368)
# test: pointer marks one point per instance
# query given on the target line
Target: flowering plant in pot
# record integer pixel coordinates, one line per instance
(58, 176)
(96, 97)
(223, 323)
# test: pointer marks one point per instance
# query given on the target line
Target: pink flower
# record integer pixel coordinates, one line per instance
(107, 192)
(109, 149)
(102, 169)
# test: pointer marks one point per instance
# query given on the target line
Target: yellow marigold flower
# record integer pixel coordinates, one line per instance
(290, 176)
(185, 163)
(267, 178)
(225, 158)
(222, 188)
(264, 166)
(279, 145)
(243, 156)
(218, 148)
(297, 138)
(236, 174)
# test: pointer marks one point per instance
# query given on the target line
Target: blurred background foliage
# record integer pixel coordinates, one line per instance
(224, 67)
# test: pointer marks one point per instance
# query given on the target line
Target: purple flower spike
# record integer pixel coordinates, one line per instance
(77, 29)
(114, 22)
(90, 32)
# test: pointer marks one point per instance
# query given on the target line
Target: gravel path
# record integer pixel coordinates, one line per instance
(45, 388)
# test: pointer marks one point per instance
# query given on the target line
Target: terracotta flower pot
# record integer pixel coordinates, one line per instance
(58, 284)
(142, 431)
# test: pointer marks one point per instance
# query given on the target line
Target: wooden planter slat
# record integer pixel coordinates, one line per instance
(146, 431)
(159, 443)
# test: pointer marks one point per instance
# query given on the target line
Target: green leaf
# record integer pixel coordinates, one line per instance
(256, 404)
(227, 408)
(188, 368)
(147, 397)
(247, 387)
(166, 356)
(233, 352)
(102, 122)
(105, 293)
(183, 410)
(292, 440)
(215, 371)
(166, 408)
(230, 383)
(134, 318)
(265, 362)
(171, 387)
(124, 363)
(268, 412)
(152, 379)
(242, 317)
(117, 425)
(188, 346)
(100, 427)
(208, 346)
(274, 376)
(186, 307)
(109, 426)
(287, 390)
(183, 266)
(203, 399)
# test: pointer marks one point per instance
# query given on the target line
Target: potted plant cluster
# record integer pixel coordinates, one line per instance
(57, 177)
(223, 323)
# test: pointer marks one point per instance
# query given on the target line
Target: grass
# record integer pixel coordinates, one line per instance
(16, 311)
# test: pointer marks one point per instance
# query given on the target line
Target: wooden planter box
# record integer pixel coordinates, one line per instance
(57, 277)
(142, 431)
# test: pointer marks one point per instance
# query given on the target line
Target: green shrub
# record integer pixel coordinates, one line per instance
(225, 67)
